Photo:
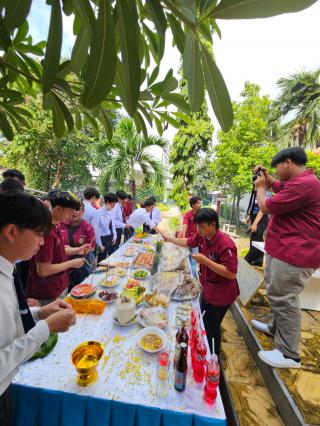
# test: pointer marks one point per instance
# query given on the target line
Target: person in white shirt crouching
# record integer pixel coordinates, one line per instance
(23, 222)
(142, 215)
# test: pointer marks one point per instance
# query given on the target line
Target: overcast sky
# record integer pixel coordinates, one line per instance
(261, 50)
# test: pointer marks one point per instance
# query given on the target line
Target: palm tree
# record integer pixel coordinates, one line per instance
(131, 151)
(299, 101)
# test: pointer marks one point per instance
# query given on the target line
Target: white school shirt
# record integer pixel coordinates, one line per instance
(155, 215)
(91, 215)
(118, 216)
(139, 217)
(106, 216)
(16, 347)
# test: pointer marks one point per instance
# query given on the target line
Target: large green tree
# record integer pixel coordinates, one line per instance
(297, 108)
(131, 156)
(46, 160)
(244, 146)
(112, 61)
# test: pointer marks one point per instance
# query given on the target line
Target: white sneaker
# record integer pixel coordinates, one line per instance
(261, 326)
(276, 359)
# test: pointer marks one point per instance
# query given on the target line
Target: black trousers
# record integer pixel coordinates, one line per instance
(148, 230)
(5, 400)
(255, 256)
(128, 233)
(109, 248)
(212, 320)
(119, 236)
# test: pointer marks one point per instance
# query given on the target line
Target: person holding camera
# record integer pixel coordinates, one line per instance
(259, 222)
(293, 249)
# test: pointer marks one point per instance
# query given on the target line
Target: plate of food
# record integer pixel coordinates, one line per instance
(182, 315)
(144, 260)
(83, 290)
(123, 265)
(130, 252)
(110, 281)
(141, 274)
(187, 290)
(137, 240)
(152, 339)
(117, 272)
(108, 296)
(157, 299)
(101, 270)
(141, 235)
(134, 290)
(153, 317)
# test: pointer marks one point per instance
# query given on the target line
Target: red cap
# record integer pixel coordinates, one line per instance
(164, 359)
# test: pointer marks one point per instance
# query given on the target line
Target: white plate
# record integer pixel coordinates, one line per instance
(152, 330)
(142, 320)
(143, 278)
(109, 286)
(110, 301)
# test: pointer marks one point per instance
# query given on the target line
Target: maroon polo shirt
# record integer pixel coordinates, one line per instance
(192, 227)
(294, 228)
(82, 234)
(217, 290)
(53, 252)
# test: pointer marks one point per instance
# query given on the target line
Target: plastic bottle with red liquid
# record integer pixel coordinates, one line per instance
(200, 356)
(212, 379)
(194, 325)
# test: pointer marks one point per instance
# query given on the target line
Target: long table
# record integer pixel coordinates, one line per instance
(45, 391)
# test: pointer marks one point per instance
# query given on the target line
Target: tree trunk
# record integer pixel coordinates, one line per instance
(58, 175)
(134, 191)
(237, 211)
(233, 208)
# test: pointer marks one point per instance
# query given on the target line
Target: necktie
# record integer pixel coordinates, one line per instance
(26, 316)
(123, 217)
(111, 228)
(151, 214)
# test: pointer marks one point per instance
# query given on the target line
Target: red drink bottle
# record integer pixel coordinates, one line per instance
(200, 356)
(212, 380)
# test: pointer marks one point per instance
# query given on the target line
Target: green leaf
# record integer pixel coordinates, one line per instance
(5, 126)
(80, 51)
(166, 86)
(138, 119)
(78, 120)
(21, 33)
(169, 119)
(67, 7)
(158, 125)
(66, 113)
(177, 100)
(58, 121)
(157, 15)
(28, 48)
(106, 122)
(251, 9)
(193, 71)
(102, 60)
(177, 32)
(130, 54)
(16, 12)
(217, 90)
(153, 75)
(146, 114)
(216, 28)
(53, 49)
(184, 117)
(84, 11)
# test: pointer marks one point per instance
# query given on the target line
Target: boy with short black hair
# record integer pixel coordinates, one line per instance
(23, 222)
(218, 263)
(119, 216)
(91, 214)
(189, 227)
(142, 215)
(15, 174)
(107, 225)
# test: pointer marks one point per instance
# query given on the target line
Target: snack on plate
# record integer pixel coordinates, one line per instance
(188, 289)
(130, 252)
(157, 299)
(140, 274)
(151, 342)
(108, 296)
(110, 281)
(124, 265)
(144, 260)
(86, 306)
(137, 240)
(154, 317)
(166, 282)
(182, 314)
(117, 272)
(141, 235)
(134, 290)
(83, 290)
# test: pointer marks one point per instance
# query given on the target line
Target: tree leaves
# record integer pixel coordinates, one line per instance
(5, 126)
(16, 12)
(102, 60)
(193, 71)
(217, 90)
(177, 32)
(157, 15)
(250, 9)
(53, 49)
(129, 43)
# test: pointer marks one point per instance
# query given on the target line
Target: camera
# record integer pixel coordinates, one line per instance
(257, 174)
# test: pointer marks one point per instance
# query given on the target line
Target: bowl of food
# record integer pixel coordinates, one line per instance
(157, 299)
(110, 281)
(83, 290)
(153, 317)
(141, 274)
(152, 339)
(133, 289)
(108, 296)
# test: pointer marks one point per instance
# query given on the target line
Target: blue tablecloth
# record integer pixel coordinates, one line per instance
(42, 407)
